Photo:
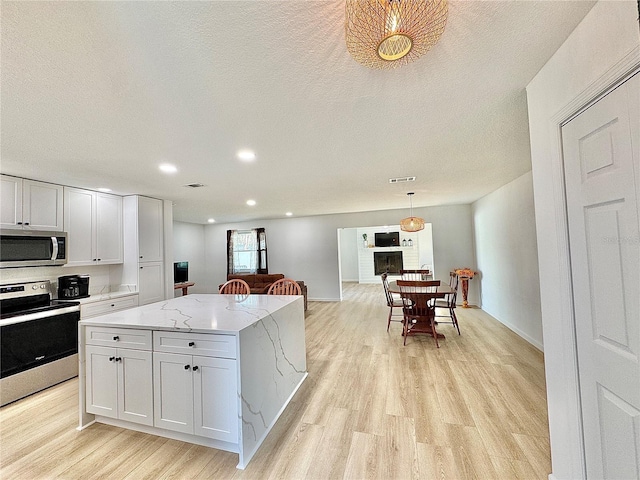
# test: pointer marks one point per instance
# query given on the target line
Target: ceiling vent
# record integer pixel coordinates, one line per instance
(402, 179)
(194, 185)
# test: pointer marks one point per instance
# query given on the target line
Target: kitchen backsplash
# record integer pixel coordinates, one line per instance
(103, 277)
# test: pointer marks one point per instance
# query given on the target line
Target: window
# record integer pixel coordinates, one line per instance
(247, 251)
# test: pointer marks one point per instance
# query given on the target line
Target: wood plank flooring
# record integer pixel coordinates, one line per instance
(370, 408)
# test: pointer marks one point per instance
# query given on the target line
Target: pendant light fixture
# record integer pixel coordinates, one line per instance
(411, 223)
(388, 33)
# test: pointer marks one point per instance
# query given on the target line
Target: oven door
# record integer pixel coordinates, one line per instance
(36, 339)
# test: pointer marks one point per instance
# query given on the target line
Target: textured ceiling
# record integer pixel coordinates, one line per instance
(97, 94)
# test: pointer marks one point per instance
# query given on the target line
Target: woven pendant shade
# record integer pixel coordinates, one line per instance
(411, 223)
(388, 33)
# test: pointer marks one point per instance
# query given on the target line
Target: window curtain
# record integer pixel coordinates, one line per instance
(247, 251)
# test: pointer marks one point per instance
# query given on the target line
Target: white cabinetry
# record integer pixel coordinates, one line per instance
(102, 307)
(30, 205)
(144, 247)
(93, 222)
(119, 379)
(196, 393)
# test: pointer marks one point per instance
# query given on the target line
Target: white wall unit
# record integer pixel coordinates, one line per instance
(118, 380)
(30, 205)
(93, 222)
(144, 248)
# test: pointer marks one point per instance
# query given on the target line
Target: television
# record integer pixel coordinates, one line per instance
(180, 272)
(390, 239)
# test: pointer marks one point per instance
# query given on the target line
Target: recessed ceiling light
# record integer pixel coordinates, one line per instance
(211, 220)
(167, 168)
(251, 203)
(288, 214)
(105, 190)
(246, 155)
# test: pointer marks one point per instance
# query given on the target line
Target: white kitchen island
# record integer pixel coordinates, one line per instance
(215, 370)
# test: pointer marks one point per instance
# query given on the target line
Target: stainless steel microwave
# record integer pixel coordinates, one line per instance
(31, 248)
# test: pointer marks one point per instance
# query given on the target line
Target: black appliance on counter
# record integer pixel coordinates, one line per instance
(38, 339)
(71, 287)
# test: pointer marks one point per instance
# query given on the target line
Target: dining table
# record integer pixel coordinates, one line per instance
(425, 294)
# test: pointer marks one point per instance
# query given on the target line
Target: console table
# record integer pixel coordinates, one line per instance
(184, 286)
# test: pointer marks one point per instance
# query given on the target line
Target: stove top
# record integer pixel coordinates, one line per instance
(29, 298)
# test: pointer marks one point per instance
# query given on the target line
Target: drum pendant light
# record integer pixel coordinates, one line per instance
(411, 223)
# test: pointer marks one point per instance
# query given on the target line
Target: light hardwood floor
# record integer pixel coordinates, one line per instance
(370, 408)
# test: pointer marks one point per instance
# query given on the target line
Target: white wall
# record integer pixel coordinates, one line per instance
(188, 246)
(349, 254)
(306, 248)
(602, 49)
(507, 256)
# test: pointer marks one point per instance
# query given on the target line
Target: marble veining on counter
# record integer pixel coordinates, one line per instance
(204, 313)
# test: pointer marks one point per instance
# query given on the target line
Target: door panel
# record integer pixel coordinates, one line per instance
(173, 392)
(135, 388)
(102, 374)
(601, 178)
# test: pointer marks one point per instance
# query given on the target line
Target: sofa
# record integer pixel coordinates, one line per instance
(259, 283)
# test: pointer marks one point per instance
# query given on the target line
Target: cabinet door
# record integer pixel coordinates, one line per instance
(41, 206)
(150, 230)
(173, 392)
(10, 202)
(101, 381)
(108, 228)
(135, 388)
(150, 284)
(79, 223)
(215, 398)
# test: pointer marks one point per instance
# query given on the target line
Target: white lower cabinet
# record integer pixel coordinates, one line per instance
(196, 394)
(119, 383)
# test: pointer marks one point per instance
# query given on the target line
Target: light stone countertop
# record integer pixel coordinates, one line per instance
(199, 313)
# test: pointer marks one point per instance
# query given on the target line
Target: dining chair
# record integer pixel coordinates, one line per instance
(235, 286)
(392, 302)
(418, 310)
(419, 274)
(449, 302)
(284, 286)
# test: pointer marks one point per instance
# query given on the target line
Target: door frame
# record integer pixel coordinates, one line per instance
(612, 78)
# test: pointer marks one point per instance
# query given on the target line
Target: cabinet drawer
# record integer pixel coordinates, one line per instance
(118, 337)
(103, 307)
(208, 345)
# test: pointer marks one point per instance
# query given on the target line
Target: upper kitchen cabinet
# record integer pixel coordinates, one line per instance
(150, 230)
(144, 247)
(93, 222)
(30, 205)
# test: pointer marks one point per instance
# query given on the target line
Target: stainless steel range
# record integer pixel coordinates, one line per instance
(39, 339)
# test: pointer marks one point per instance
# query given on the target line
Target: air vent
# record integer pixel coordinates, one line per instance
(195, 185)
(402, 179)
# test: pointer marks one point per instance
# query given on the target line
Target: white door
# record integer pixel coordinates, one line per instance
(150, 229)
(108, 228)
(602, 177)
(79, 223)
(135, 386)
(102, 381)
(42, 206)
(150, 282)
(173, 392)
(10, 202)
(215, 398)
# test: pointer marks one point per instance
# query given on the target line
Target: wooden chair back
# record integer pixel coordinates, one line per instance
(419, 274)
(284, 286)
(235, 286)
